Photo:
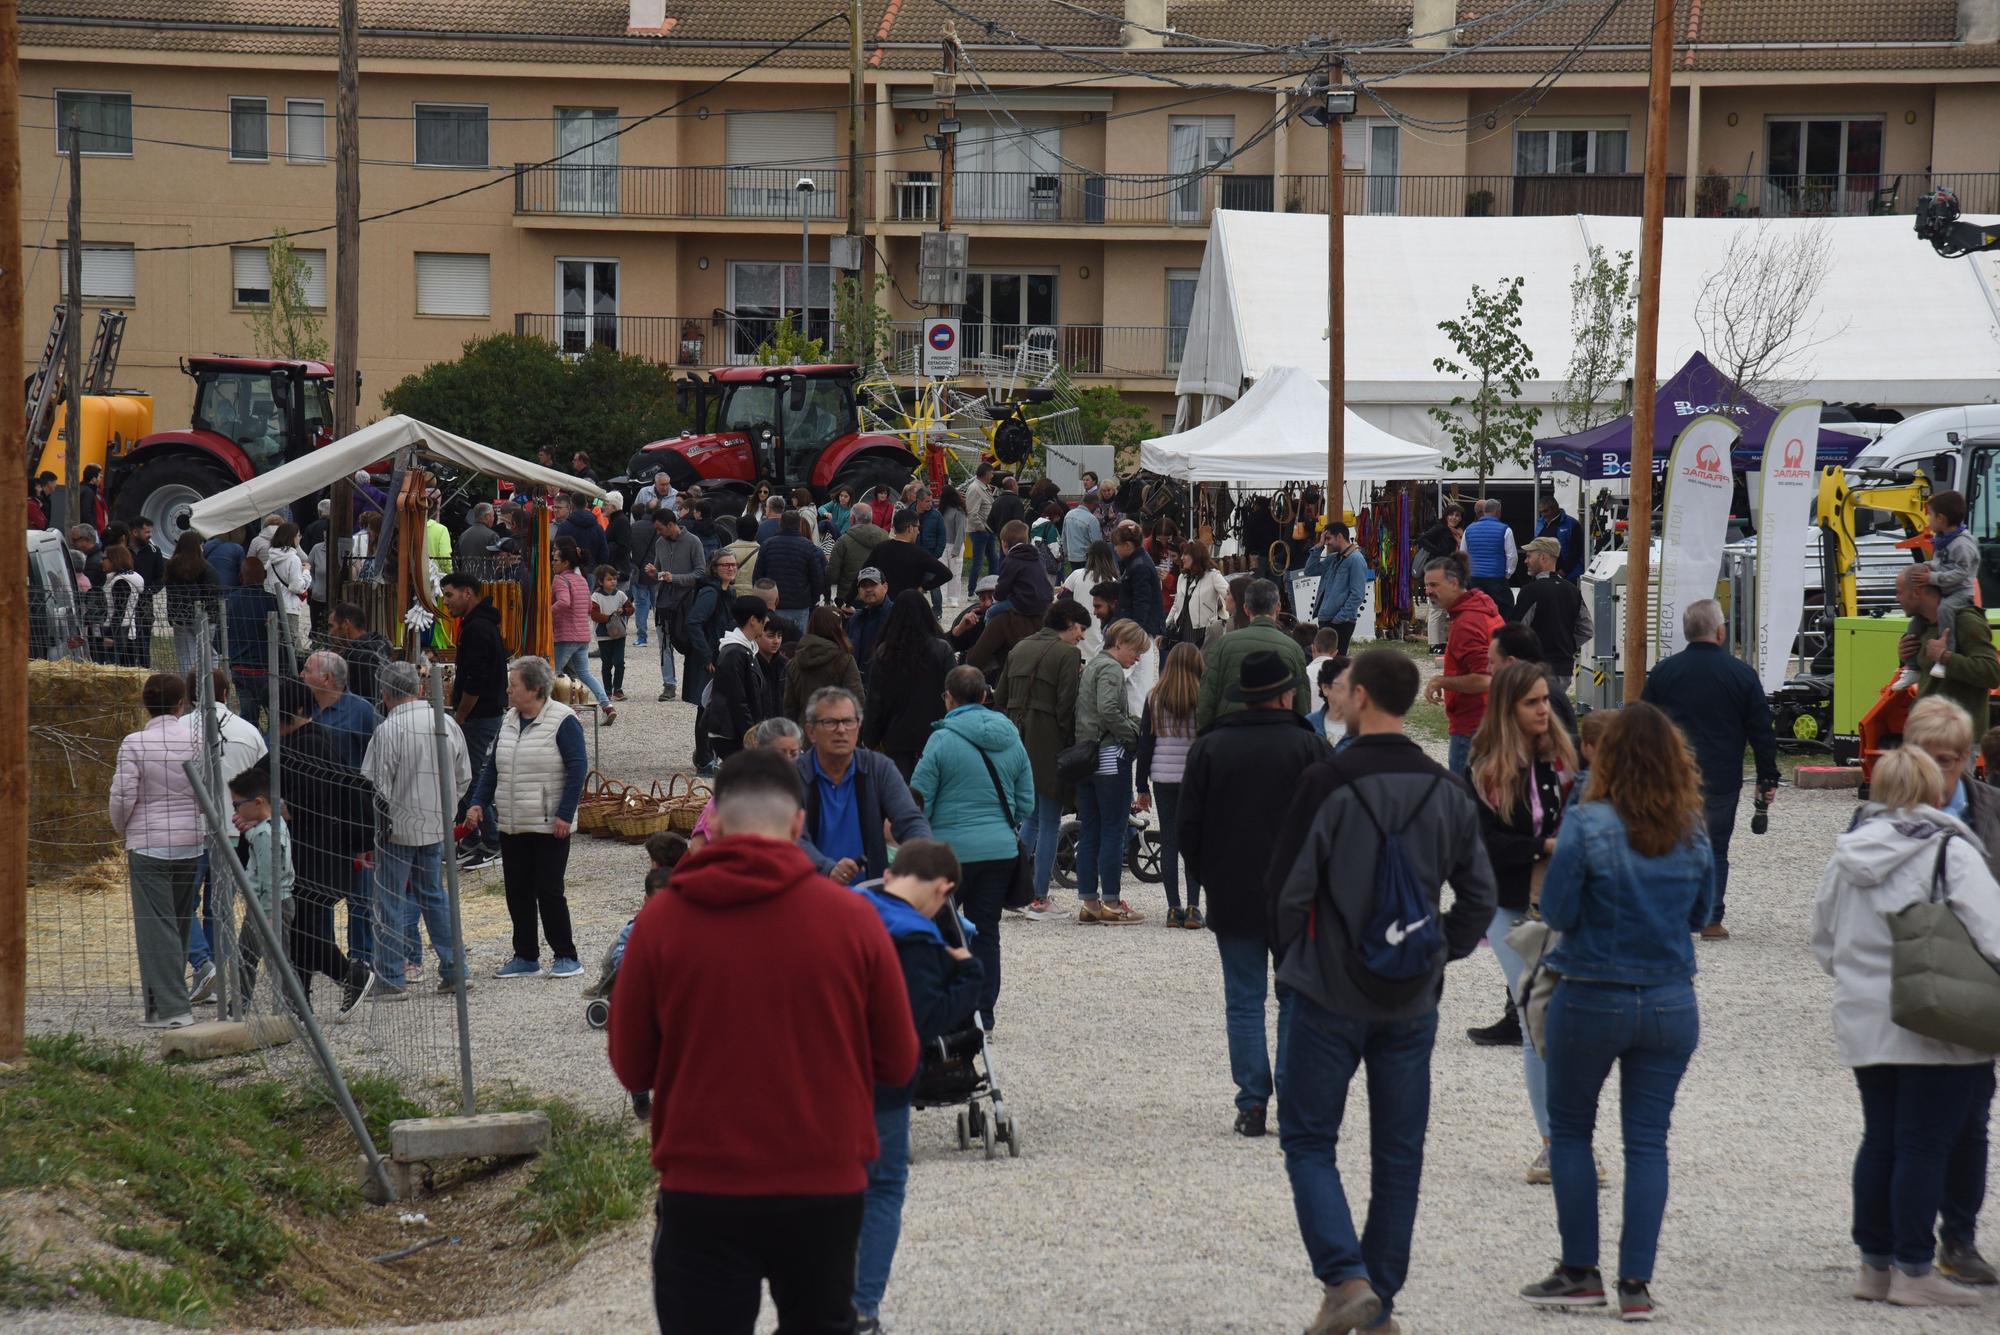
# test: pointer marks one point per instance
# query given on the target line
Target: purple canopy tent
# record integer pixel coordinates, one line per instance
(1605, 452)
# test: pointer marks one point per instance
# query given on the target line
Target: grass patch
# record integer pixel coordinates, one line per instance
(595, 1175)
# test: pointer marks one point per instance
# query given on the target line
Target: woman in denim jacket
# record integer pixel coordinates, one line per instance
(1631, 880)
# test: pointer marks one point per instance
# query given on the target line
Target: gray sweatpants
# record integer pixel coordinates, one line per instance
(162, 909)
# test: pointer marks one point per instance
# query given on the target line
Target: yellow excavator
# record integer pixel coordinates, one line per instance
(1901, 496)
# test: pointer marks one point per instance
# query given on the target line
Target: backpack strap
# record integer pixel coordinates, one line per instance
(994, 774)
(1940, 892)
(1349, 781)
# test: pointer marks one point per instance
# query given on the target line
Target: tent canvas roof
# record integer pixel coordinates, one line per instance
(1276, 433)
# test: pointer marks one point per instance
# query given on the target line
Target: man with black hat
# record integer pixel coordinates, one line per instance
(1239, 773)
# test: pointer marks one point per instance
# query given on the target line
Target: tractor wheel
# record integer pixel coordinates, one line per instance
(865, 474)
(165, 489)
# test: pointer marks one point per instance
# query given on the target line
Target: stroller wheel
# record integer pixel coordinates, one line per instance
(1011, 1133)
(964, 1133)
(1064, 871)
(976, 1120)
(597, 1014)
(1142, 855)
(986, 1136)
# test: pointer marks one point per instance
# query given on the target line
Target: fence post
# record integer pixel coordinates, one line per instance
(448, 801)
(222, 954)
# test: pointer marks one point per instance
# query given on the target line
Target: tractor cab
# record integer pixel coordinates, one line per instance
(273, 411)
(790, 418)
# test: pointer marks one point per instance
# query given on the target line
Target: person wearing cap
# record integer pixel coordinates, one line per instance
(506, 557)
(870, 614)
(966, 630)
(1238, 777)
(1552, 607)
(1343, 585)
(738, 700)
(1568, 535)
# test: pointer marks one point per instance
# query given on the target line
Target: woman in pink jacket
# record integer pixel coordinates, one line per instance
(572, 622)
(154, 811)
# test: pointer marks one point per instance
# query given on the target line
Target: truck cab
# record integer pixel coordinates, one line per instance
(1957, 449)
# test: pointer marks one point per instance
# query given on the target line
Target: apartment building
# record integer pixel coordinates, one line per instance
(1091, 151)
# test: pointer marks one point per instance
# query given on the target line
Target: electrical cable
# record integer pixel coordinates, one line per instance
(48, 216)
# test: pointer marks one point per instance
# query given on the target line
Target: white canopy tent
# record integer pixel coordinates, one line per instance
(1275, 434)
(1898, 326)
(380, 440)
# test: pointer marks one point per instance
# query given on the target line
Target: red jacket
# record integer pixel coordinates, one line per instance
(762, 1004)
(1474, 618)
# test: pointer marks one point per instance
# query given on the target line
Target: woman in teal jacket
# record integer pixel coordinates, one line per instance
(977, 788)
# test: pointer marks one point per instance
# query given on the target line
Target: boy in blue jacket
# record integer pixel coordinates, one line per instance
(944, 983)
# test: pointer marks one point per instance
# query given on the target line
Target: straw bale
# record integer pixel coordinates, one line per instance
(77, 715)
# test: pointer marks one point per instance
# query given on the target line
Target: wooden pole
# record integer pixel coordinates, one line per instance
(1336, 319)
(13, 564)
(347, 224)
(73, 349)
(855, 117)
(1645, 359)
(947, 110)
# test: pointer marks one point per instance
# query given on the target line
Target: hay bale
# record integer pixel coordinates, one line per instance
(78, 713)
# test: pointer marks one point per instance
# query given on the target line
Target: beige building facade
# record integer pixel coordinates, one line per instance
(1085, 191)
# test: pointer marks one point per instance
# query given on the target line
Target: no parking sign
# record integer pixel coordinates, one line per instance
(941, 349)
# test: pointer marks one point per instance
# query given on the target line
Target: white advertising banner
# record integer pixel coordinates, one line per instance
(1694, 525)
(1791, 481)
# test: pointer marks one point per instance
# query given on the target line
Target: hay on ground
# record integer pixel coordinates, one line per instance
(78, 713)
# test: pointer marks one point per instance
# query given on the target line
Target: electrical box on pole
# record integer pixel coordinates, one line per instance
(941, 263)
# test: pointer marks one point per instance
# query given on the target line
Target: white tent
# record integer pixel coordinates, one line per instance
(1897, 326)
(1276, 433)
(322, 468)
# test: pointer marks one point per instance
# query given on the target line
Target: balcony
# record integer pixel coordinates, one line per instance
(1078, 199)
(1091, 352)
(720, 193)
(1849, 196)
(1624, 195)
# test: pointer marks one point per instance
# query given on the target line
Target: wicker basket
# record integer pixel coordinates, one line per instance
(641, 815)
(601, 798)
(685, 808)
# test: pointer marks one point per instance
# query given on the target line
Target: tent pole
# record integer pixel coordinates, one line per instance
(1645, 361)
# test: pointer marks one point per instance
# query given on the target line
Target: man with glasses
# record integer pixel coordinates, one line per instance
(850, 792)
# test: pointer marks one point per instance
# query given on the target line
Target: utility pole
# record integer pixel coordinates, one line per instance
(73, 350)
(1336, 308)
(947, 100)
(1645, 359)
(347, 224)
(855, 115)
(13, 563)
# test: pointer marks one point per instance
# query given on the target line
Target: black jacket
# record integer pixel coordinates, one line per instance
(797, 566)
(1721, 706)
(904, 700)
(618, 544)
(582, 525)
(1139, 593)
(330, 807)
(1024, 581)
(904, 565)
(1007, 507)
(1514, 844)
(708, 620)
(1547, 605)
(739, 701)
(943, 993)
(367, 653)
(482, 661)
(1239, 773)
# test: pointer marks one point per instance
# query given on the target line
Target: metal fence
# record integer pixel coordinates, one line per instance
(680, 192)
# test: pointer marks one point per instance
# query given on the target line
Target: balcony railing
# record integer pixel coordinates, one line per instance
(1084, 199)
(677, 192)
(1479, 196)
(1839, 196)
(1120, 352)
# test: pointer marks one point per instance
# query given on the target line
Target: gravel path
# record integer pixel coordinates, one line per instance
(1136, 1209)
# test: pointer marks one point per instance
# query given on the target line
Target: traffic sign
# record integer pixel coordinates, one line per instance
(941, 349)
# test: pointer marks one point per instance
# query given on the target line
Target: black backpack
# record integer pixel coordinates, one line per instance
(680, 617)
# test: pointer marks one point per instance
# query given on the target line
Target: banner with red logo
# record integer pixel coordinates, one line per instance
(1791, 482)
(1694, 525)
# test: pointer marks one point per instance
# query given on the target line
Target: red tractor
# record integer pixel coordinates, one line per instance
(791, 426)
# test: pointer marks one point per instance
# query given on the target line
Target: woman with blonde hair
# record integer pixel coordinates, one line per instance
(1166, 731)
(1630, 884)
(1523, 766)
(1105, 721)
(1916, 1092)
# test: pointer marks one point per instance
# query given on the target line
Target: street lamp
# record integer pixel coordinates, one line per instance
(805, 189)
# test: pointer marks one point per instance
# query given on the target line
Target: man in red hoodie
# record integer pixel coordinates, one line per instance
(761, 1003)
(1461, 683)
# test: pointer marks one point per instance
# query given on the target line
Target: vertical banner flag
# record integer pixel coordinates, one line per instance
(1791, 480)
(1694, 524)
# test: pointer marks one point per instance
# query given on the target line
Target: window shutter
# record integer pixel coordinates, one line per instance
(754, 139)
(108, 271)
(454, 284)
(1354, 145)
(250, 270)
(315, 284)
(305, 130)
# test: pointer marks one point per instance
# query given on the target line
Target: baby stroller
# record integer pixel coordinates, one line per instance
(1142, 851)
(956, 1071)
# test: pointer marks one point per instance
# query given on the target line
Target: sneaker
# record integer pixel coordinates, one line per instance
(666, 694)
(181, 1021)
(1177, 918)
(1090, 910)
(706, 771)
(1567, 1287)
(480, 859)
(565, 968)
(1635, 1302)
(867, 1325)
(1504, 1032)
(203, 991)
(1905, 679)
(610, 715)
(1194, 922)
(1961, 1261)
(1115, 912)
(1929, 1289)
(1538, 1174)
(387, 992)
(1250, 1122)
(640, 642)
(1039, 909)
(449, 986)
(1871, 1285)
(1348, 1306)
(1937, 670)
(1715, 931)
(360, 982)
(519, 968)
(618, 695)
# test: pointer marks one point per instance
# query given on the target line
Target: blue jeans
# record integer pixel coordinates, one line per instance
(984, 560)
(1965, 1179)
(642, 610)
(1458, 756)
(409, 883)
(574, 656)
(1650, 1032)
(1720, 809)
(1244, 974)
(1320, 1057)
(798, 616)
(201, 932)
(1911, 1117)
(882, 1209)
(252, 696)
(1167, 797)
(1103, 803)
(1041, 834)
(1532, 1068)
(480, 735)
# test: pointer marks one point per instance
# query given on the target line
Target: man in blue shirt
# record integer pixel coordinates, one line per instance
(1080, 528)
(1568, 535)
(1342, 586)
(1489, 548)
(850, 792)
(348, 719)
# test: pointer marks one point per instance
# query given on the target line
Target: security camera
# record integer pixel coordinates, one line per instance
(805, 185)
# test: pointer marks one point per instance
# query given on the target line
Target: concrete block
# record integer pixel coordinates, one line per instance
(485, 1136)
(225, 1038)
(1828, 776)
(402, 1181)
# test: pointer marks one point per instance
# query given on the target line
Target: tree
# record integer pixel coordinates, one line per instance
(1759, 310)
(521, 394)
(1107, 417)
(787, 346)
(1602, 311)
(861, 330)
(285, 327)
(1493, 426)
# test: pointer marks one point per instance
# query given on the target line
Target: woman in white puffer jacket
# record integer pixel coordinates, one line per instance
(1916, 1092)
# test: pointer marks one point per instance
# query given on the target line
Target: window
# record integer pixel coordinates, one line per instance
(249, 130)
(587, 176)
(759, 289)
(1568, 150)
(1000, 309)
(454, 284)
(107, 270)
(1180, 312)
(587, 296)
(766, 152)
(1009, 168)
(305, 131)
(450, 135)
(1372, 147)
(1195, 143)
(1822, 166)
(250, 268)
(103, 122)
